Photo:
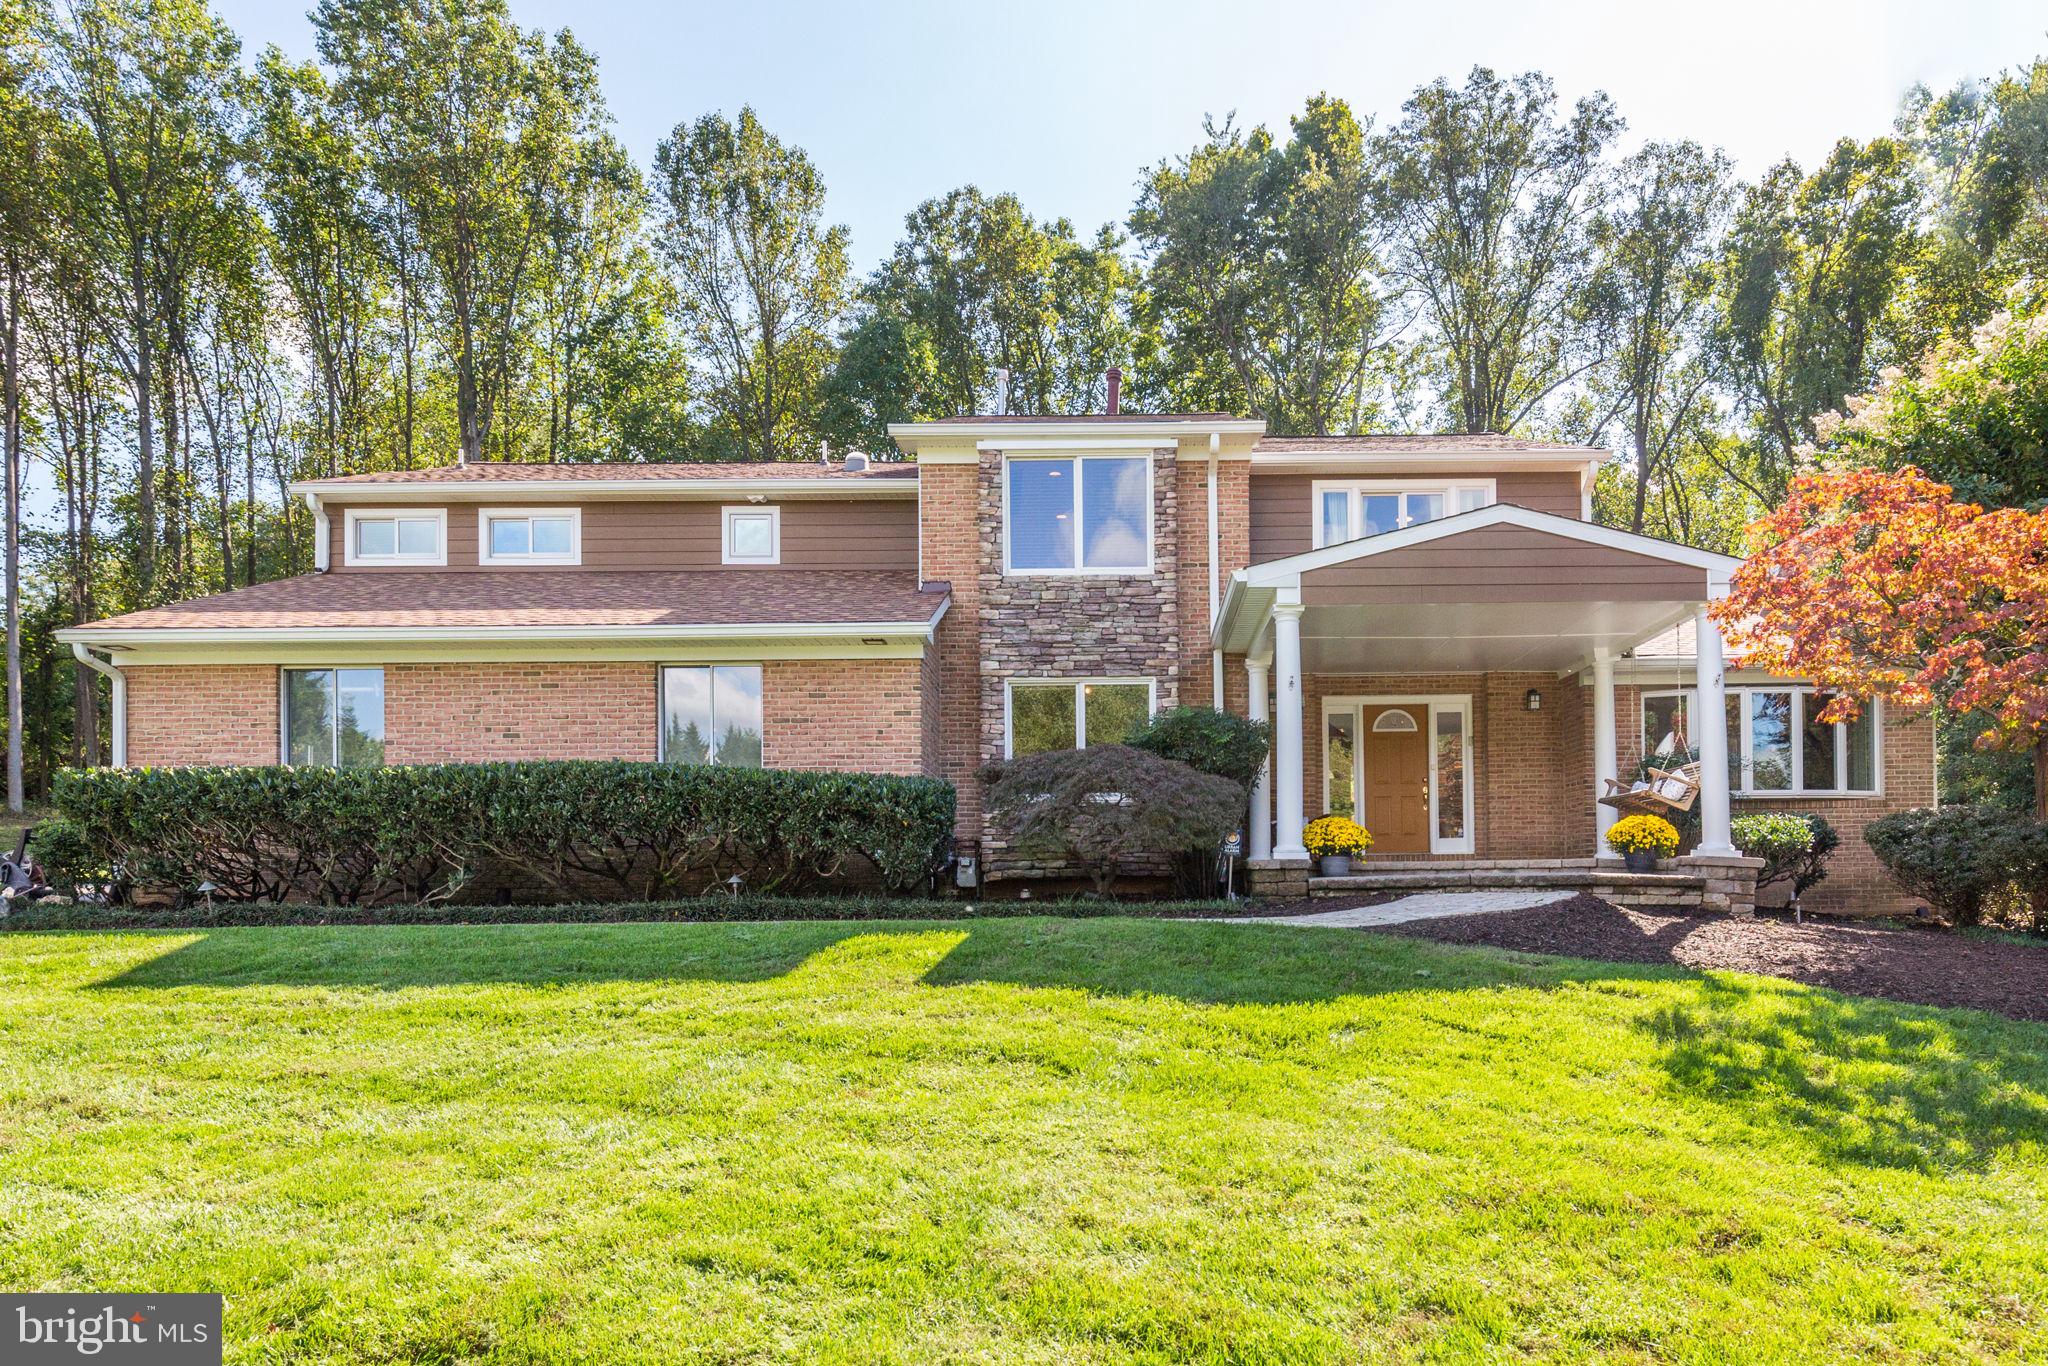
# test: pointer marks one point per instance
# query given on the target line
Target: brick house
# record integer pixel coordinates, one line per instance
(1446, 644)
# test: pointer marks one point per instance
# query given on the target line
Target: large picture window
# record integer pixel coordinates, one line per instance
(334, 718)
(1777, 746)
(1079, 515)
(1047, 716)
(1350, 509)
(711, 714)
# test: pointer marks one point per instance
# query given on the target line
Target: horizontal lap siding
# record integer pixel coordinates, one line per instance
(1501, 564)
(850, 535)
(1283, 512)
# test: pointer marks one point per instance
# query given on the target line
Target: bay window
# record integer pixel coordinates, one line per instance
(1084, 514)
(1777, 745)
(711, 714)
(1349, 509)
(333, 718)
(1046, 715)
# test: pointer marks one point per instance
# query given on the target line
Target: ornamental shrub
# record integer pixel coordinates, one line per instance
(573, 827)
(1794, 846)
(1956, 858)
(1210, 740)
(1106, 806)
(1335, 836)
(1643, 834)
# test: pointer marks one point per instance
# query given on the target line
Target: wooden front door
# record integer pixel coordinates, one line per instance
(1395, 749)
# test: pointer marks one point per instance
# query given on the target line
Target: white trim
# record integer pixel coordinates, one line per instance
(1447, 489)
(661, 700)
(1074, 444)
(1077, 459)
(322, 533)
(1080, 686)
(1431, 703)
(725, 519)
(117, 637)
(999, 431)
(438, 516)
(486, 515)
(1745, 740)
(118, 723)
(1286, 572)
(373, 492)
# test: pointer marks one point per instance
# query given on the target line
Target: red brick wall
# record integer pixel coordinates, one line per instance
(203, 714)
(864, 716)
(950, 551)
(1233, 511)
(442, 713)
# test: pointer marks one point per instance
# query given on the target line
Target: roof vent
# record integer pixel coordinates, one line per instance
(856, 462)
(1115, 377)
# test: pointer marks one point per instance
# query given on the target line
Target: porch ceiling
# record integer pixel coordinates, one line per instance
(1475, 637)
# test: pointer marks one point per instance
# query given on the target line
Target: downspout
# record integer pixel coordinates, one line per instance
(1215, 578)
(119, 723)
(320, 534)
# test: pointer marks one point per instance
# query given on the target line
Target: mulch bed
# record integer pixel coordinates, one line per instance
(1922, 965)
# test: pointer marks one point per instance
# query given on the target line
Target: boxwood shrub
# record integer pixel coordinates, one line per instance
(569, 829)
(1961, 859)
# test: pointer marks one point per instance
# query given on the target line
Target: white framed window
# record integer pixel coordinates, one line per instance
(1776, 745)
(1079, 514)
(1450, 768)
(331, 718)
(373, 536)
(1044, 714)
(711, 714)
(529, 535)
(751, 535)
(1346, 509)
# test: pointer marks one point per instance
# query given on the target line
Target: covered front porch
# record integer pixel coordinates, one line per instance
(1451, 685)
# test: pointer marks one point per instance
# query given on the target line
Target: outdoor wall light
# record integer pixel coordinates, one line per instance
(1533, 700)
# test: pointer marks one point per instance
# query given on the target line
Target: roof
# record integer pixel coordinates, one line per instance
(514, 600)
(1404, 443)
(549, 472)
(963, 418)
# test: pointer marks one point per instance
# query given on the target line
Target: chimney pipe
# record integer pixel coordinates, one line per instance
(1116, 384)
(1002, 393)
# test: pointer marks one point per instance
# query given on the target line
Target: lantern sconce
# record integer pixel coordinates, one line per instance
(1533, 700)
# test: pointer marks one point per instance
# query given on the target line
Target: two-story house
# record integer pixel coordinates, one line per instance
(1447, 646)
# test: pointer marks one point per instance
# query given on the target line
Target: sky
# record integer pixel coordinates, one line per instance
(1066, 103)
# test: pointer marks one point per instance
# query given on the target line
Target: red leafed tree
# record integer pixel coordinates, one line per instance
(1880, 584)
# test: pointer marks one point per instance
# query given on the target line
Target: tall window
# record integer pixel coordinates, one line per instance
(334, 718)
(1351, 509)
(531, 535)
(1084, 514)
(1776, 743)
(711, 714)
(1074, 715)
(395, 538)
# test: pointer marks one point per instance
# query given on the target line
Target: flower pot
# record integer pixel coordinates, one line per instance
(1641, 860)
(1335, 865)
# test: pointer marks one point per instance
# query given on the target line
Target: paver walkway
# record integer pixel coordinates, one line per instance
(1421, 906)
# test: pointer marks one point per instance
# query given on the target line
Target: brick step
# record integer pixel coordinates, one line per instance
(1614, 885)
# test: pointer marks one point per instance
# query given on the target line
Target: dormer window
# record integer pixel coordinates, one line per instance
(1346, 510)
(373, 537)
(753, 535)
(1087, 514)
(530, 536)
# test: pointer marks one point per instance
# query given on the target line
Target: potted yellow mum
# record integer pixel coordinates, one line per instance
(1642, 840)
(1335, 841)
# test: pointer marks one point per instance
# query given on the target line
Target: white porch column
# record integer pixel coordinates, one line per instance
(1605, 766)
(1710, 735)
(1287, 727)
(1258, 671)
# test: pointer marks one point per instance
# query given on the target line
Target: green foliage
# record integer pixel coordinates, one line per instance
(1107, 806)
(352, 836)
(1209, 740)
(1973, 776)
(1795, 847)
(66, 856)
(1960, 858)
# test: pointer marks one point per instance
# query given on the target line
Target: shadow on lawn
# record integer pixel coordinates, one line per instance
(1867, 1081)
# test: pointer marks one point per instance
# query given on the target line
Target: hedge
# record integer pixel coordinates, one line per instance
(1961, 859)
(428, 833)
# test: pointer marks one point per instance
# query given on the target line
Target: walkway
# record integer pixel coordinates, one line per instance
(1423, 906)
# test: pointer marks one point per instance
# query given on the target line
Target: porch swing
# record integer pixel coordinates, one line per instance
(1666, 791)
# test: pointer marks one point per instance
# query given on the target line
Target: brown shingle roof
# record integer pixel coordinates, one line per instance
(1089, 417)
(523, 472)
(1397, 443)
(536, 598)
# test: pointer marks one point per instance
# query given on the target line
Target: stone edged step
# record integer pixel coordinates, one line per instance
(1621, 885)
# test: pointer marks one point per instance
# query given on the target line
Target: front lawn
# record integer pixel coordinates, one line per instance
(1009, 1140)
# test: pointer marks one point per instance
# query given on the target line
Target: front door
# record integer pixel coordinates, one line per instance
(1395, 754)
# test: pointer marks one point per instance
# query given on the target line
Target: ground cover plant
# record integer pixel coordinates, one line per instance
(1016, 1140)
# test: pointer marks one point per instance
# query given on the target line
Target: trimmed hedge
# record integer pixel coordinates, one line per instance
(1795, 846)
(1962, 859)
(427, 833)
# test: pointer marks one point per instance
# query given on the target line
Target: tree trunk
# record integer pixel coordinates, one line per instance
(2041, 780)
(10, 358)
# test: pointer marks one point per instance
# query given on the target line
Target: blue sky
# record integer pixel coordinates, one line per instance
(1065, 103)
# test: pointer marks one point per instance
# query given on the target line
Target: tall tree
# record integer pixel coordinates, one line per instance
(1493, 195)
(760, 277)
(1264, 271)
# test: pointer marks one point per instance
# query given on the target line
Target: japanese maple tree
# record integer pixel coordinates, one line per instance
(1878, 583)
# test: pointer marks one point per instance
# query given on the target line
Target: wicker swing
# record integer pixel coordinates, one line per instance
(1668, 791)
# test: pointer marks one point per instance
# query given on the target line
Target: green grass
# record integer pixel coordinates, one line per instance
(1011, 1141)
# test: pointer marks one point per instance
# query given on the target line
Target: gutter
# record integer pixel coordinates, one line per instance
(107, 637)
(321, 533)
(119, 723)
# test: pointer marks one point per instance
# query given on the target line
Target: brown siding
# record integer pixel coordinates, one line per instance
(852, 534)
(1503, 564)
(1282, 514)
